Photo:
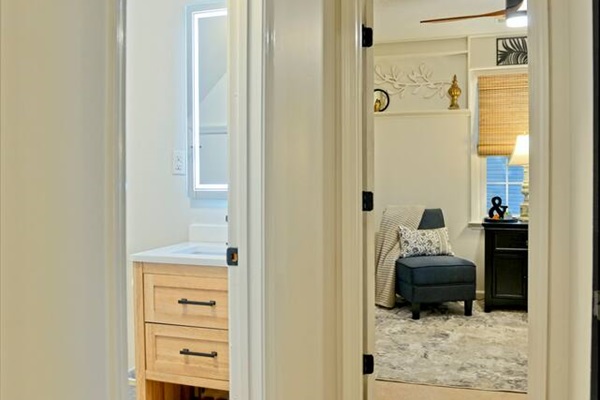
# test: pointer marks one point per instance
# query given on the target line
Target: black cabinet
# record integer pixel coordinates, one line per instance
(505, 264)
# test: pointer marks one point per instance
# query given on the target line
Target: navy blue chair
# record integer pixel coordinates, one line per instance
(435, 279)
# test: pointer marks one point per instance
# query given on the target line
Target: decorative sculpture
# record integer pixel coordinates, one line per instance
(497, 210)
(454, 92)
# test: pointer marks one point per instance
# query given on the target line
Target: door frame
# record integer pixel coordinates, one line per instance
(352, 117)
(351, 186)
(246, 200)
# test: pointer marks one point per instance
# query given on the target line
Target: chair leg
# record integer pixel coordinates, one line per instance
(468, 308)
(416, 310)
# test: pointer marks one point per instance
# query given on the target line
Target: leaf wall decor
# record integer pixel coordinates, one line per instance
(511, 51)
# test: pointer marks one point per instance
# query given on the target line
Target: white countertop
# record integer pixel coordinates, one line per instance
(189, 253)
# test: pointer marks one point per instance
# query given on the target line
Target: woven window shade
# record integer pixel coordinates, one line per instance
(503, 112)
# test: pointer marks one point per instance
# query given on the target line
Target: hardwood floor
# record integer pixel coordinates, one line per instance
(405, 391)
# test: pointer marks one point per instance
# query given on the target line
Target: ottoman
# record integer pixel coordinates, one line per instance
(435, 279)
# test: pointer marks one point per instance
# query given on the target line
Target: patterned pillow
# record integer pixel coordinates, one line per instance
(424, 242)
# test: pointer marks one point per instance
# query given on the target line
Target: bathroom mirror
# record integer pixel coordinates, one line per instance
(207, 98)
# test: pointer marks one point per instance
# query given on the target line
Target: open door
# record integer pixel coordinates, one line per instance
(368, 150)
(595, 321)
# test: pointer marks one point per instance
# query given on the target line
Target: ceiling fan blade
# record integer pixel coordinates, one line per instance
(512, 5)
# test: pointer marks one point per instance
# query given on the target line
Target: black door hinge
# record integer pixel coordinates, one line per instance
(367, 36)
(232, 256)
(368, 364)
(367, 201)
(596, 304)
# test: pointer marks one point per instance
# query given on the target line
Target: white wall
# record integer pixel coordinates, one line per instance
(300, 209)
(424, 159)
(570, 173)
(159, 210)
(56, 259)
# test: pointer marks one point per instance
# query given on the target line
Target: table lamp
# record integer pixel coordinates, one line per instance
(520, 156)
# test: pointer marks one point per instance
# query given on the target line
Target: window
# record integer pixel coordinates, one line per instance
(502, 104)
(505, 181)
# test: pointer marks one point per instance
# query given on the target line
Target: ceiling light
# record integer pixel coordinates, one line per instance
(518, 19)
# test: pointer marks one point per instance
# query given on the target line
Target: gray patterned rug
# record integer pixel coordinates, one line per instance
(487, 351)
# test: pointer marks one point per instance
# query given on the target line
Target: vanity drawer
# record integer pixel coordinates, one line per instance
(187, 352)
(186, 300)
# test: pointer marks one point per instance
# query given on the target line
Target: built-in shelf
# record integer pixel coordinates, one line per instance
(419, 113)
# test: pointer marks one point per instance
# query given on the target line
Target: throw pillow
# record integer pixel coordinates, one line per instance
(424, 242)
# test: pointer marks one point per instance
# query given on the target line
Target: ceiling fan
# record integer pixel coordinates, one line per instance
(512, 7)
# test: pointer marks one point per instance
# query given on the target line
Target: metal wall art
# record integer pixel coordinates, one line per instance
(511, 51)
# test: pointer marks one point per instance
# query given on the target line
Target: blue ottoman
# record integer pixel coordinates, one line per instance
(435, 279)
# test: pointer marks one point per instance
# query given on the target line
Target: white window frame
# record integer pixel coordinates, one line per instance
(478, 163)
(507, 183)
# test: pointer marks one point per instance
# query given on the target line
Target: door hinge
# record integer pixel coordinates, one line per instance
(232, 256)
(367, 201)
(596, 304)
(367, 36)
(368, 364)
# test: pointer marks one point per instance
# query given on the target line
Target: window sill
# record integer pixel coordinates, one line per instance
(475, 225)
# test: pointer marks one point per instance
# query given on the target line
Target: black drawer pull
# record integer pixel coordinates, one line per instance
(210, 303)
(187, 352)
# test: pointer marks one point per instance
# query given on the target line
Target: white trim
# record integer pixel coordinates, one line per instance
(438, 38)
(255, 106)
(539, 226)
(351, 224)
(116, 280)
(424, 54)
(246, 221)
(501, 70)
(428, 113)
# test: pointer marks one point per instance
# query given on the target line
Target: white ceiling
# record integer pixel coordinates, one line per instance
(399, 19)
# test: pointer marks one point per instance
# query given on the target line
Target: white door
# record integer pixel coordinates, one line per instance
(368, 185)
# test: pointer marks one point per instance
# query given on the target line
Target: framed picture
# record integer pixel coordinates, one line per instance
(511, 51)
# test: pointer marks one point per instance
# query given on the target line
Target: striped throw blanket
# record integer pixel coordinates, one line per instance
(388, 249)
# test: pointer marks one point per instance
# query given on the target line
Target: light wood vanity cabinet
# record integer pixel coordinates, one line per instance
(181, 328)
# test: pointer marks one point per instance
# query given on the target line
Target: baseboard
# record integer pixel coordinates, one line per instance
(479, 294)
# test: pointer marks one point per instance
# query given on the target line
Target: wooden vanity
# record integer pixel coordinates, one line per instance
(181, 331)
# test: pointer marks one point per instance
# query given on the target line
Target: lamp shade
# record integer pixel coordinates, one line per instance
(520, 154)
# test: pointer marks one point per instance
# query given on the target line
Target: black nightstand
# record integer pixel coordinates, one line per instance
(506, 246)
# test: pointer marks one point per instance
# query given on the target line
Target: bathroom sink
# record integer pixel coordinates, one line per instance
(194, 253)
(202, 249)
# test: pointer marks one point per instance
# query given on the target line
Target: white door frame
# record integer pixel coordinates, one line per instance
(351, 178)
(116, 282)
(539, 147)
(246, 200)
(539, 123)
(245, 210)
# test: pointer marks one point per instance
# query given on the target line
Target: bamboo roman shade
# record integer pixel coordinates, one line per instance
(503, 112)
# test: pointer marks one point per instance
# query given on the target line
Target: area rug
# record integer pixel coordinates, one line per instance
(487, 351)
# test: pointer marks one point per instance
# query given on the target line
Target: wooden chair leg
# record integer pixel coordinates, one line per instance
(416, 310)
(468, 308)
